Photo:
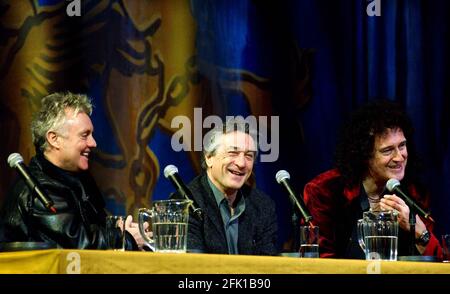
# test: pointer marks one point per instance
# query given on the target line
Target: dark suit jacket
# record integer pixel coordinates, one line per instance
(331, 203)
(257, 225)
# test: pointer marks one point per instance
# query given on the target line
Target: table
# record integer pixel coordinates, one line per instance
(66, 261)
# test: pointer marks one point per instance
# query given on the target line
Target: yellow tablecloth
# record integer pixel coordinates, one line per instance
(98, 262)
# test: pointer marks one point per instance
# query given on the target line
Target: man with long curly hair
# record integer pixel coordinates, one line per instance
(376, 145)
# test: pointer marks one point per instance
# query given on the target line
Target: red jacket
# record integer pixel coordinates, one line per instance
(330, 202)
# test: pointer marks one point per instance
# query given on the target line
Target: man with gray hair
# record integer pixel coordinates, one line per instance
(237, 219)
(62, 133)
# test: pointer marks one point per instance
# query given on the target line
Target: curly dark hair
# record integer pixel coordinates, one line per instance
(357, 139)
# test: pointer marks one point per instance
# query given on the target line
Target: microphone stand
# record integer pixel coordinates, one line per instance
(30, 202)
(295, 229)
(413, 211)
(412, 231)
(412, 242)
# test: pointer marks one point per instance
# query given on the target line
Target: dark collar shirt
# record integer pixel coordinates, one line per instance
(230, 217)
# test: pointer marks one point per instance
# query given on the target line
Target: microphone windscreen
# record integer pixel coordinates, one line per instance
(170, 170)
(14, 159)
(391, 184)
(282, 175)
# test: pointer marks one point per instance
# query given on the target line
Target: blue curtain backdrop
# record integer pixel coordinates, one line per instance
(310, 62)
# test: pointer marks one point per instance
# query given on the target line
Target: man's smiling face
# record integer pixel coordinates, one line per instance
(232, 164)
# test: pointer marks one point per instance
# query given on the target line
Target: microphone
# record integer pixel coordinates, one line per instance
(171, 173)
(283, 177)
(393, 185)
(15, 160)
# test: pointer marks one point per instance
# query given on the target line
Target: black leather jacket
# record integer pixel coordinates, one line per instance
(80, 218)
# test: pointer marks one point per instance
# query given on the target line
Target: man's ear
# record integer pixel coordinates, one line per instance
(208, 160)
(53, 139)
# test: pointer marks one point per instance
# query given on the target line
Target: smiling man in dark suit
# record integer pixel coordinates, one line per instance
(237, 218)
